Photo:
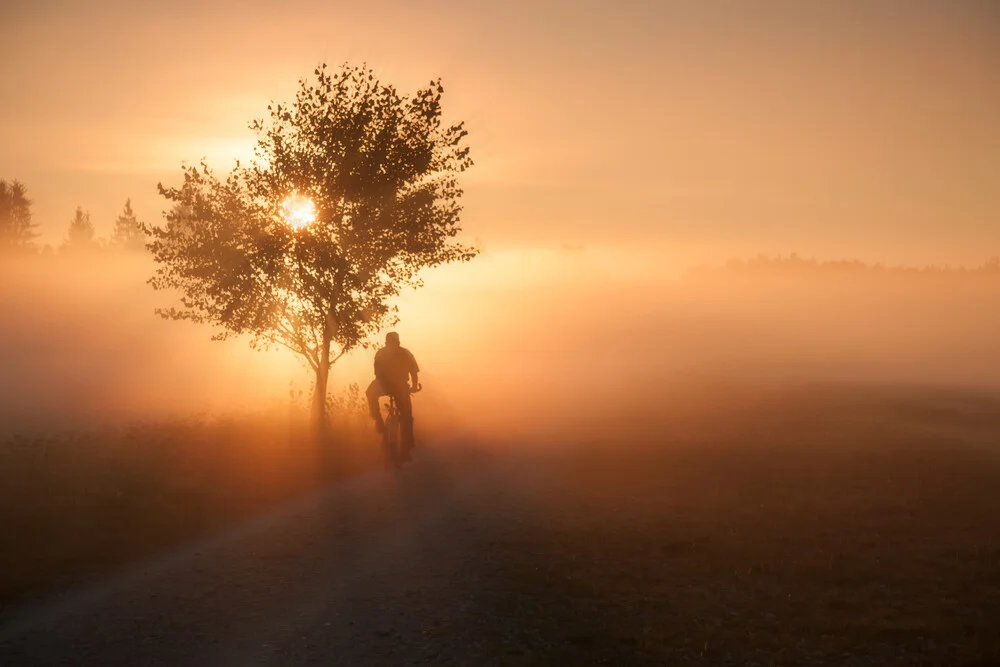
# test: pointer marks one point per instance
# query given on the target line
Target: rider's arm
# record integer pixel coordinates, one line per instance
(414, 369)
(377, 366)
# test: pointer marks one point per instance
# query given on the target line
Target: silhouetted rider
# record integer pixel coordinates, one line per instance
(394, 365)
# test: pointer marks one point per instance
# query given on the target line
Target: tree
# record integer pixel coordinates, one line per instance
(128, 234)
(17, 231)
(352, 193)
(80, 236)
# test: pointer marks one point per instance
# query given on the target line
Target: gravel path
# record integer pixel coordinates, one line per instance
(384, 569)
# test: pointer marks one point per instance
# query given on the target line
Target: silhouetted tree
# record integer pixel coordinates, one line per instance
(128, 234)
(17, 231)
(381, 171)
(80, 236)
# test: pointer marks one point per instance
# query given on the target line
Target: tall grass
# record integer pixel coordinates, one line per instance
(85, 501)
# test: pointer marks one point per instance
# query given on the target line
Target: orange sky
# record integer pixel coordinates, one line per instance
(640, 127)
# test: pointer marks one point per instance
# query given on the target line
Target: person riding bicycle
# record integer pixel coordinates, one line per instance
(394, 365)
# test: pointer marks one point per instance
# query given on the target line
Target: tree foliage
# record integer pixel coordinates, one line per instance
(381, 170)
(17, 231)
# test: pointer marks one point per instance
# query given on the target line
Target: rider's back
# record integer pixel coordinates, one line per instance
(393, 366)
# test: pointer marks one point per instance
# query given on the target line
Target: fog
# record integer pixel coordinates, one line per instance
(81, 343)
(515, 343)
(575, 345)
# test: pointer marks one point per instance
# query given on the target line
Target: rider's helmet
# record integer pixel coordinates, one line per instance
(392, 339)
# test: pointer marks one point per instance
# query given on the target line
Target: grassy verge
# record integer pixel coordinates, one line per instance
(82, 503)
(820, 530)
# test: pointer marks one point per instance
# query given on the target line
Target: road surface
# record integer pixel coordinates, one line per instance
(379, 570)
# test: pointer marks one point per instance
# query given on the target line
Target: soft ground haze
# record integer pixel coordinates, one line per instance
(511, 344)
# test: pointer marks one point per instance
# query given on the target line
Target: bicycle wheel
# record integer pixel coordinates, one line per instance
(390, 443)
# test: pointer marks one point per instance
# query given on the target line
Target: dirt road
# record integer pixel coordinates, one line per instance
(384, 569)
(863, 554)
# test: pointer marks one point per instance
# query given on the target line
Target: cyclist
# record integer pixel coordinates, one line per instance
(394, 365)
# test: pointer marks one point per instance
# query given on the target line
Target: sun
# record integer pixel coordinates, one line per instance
(298, 211)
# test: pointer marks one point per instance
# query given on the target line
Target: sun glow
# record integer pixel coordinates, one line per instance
(298, 211)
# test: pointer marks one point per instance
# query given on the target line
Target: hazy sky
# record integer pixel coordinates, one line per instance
(694, 129)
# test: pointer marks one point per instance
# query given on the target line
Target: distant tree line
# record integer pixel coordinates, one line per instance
(763, 265)
(19, 232)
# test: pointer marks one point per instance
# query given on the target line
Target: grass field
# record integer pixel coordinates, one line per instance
(838, 526)
(84, 502)
(835, 525)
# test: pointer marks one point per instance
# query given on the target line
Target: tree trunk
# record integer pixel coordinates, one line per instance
(319, 393)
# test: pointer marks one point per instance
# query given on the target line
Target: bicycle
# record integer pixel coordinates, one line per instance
(391, 436)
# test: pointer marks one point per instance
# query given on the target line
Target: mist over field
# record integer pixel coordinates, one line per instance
(82, 344)
(704, 298)
(520, 342)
